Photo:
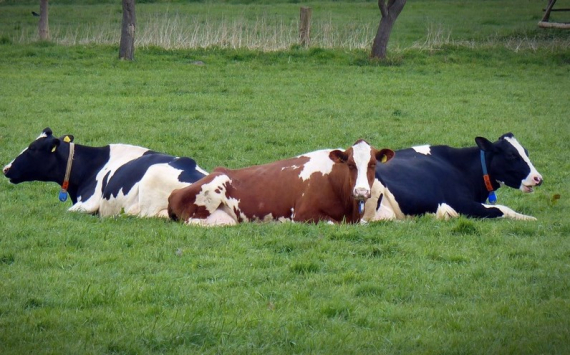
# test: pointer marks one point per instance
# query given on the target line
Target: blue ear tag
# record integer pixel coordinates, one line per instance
(492, 197)
(361, 207)
(63, 195)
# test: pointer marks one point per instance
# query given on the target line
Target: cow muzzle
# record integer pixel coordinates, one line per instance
(361, 193)
(6, 169)
(529, 183)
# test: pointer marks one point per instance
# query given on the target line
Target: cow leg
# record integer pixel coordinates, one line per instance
(480, 210)
(81, 207)
(217, 218)
(312, 217)
(509, 213)
(445, 212)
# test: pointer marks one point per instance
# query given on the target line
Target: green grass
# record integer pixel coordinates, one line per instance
(77, 284)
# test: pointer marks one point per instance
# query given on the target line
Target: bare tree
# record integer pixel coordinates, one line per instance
(43, 26)
(390, 10)
(127, 46)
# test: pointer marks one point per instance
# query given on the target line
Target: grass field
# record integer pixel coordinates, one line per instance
(78, 284)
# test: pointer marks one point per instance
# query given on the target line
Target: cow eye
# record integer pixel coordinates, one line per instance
(512, 156)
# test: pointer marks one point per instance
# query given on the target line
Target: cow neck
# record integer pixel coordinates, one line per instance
(487, 179)
(65, 184)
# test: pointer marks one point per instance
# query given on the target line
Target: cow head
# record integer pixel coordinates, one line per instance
(508, 163)
(40, 161)
(361, 161)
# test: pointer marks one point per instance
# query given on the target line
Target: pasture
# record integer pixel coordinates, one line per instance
(78, 284)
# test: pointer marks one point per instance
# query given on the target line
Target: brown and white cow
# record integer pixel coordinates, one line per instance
(325, 185)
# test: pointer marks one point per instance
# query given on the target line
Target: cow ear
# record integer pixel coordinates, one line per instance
(54, 144)
(338, 156)
(68, 138)
(384, 155)
(484, 144)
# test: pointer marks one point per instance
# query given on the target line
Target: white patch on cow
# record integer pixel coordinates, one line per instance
(292, 167)
(445, 212)
(531, 179)
(362, 153)
(42, 135)
(119, 155)
(509, 213)
(389, 208)
(423, 149)
(319, 162)
(212, 194)
(154, 188)
(127, 204)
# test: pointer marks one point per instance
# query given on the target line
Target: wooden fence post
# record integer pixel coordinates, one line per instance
(305, 26)
(43, 26)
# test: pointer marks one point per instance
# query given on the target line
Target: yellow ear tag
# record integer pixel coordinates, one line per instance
(53, 149)
(66, 139)
(384, 158)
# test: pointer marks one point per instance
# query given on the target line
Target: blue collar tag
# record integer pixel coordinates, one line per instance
(361, 207)
(492, 197)
(63, 195)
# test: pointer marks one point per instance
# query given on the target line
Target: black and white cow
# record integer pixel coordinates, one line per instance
(105, 180)
(449, 181)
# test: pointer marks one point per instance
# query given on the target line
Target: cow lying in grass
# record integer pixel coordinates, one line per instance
(325, 185)
(449, 181)
(105, 180)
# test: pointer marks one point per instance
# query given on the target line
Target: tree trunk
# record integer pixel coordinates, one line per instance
(43, 26)
(127, 46)
(390, 12)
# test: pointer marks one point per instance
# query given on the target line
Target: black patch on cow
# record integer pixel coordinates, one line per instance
(379, 201)
(188, 172)
(93, 159)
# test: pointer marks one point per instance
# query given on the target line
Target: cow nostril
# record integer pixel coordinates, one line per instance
(538, 180)
(5, 170)
(361, 192)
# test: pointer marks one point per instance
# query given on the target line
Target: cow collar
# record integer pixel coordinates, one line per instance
(487, 180)
(65, 185)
